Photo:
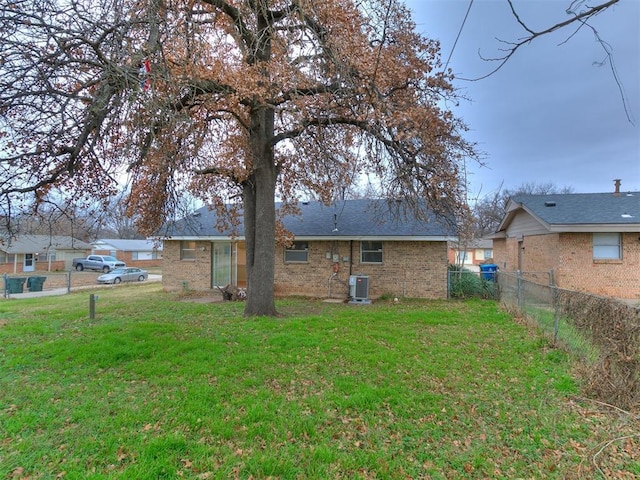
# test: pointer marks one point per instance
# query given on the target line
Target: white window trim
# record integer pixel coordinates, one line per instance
(363, 251)
(192, 256)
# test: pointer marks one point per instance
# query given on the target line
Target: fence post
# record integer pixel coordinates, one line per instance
(5, 291)
(518, 289)
(69, 281)
(555, 294)
(92, 306)
(556, 313)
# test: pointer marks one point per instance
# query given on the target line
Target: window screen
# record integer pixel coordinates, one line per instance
(607, 246)
(371, 252)
(298, 252)
(187, 250)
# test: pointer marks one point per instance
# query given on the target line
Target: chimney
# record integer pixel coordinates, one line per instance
(616, 193)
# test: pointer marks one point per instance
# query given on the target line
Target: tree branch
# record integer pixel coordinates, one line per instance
(581, 18)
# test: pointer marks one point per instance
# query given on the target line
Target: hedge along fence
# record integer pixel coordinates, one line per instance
(604, 333)
(614, 327)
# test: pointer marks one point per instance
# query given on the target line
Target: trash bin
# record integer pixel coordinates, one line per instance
(488, 271)
(14, 285)
(34, 284)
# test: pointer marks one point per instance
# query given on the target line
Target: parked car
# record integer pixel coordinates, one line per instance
(128, 274)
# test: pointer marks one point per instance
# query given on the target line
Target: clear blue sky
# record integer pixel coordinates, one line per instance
(552, 113)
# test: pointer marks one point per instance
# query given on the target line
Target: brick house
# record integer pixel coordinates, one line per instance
(588, 242)
(472, 253)
(29, 253)
(401, 256)
(135, 253)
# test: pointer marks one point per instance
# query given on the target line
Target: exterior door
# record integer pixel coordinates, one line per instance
(240, 262)
(29, 262)
(221, 264)
(520, 254)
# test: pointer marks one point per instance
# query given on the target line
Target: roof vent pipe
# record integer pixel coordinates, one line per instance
(617, 190)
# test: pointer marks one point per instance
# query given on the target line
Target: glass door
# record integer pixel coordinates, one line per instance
(221, 264)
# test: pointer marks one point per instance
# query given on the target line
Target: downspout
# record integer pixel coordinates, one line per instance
(350, 267)
(350, 257)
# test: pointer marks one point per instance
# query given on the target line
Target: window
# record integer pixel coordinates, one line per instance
(462, 256)
(298, 252)
(607, 246)
(7, 257)
(488, 253)
(371, 252)
(187, 250)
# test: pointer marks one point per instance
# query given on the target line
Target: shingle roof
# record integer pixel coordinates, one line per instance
(127, 245)
(575, 209)
(40, 243)
(344, 219)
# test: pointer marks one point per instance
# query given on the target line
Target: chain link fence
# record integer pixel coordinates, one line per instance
(22, 285)
(603, 333)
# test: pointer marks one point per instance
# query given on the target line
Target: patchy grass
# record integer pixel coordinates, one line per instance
(157, 388)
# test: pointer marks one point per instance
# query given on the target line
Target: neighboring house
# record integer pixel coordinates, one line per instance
(471, 254)
(138, 253)
(588, 242)
(401, 256)
(28, 253)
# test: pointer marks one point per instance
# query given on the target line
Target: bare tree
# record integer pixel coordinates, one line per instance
(229, 99)
(579, 13)
(577, 17)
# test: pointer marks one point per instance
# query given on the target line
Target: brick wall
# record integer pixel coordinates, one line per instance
(615, 278)
(186, 274)
(411, 269)
(539, 253)
(570, 256)
(57, 265)
(408, 269)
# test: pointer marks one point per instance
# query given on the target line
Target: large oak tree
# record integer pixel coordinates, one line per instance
(235, 101)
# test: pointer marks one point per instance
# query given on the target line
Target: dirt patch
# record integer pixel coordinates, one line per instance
(207, 299)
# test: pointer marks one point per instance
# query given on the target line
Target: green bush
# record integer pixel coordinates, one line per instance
(463, 283)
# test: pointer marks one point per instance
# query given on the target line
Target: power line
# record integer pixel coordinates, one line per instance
(458, 36)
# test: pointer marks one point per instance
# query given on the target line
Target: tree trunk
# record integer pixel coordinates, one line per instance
(260, 217)
(259, 190)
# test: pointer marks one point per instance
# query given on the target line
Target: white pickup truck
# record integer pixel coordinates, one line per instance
(103, 263)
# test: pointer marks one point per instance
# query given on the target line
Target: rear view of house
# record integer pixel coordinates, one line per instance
(399, 254)
(587, 242)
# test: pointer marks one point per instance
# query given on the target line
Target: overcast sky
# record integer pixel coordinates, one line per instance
(551, 113)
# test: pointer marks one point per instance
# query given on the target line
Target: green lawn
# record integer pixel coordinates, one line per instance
(155, 388)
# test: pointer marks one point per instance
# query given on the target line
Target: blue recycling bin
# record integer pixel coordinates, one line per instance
(488, 271)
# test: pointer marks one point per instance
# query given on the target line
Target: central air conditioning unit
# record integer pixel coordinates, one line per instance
(359, 289)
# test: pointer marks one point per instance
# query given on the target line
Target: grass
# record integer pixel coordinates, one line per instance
(564, 333)
(158, 388)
